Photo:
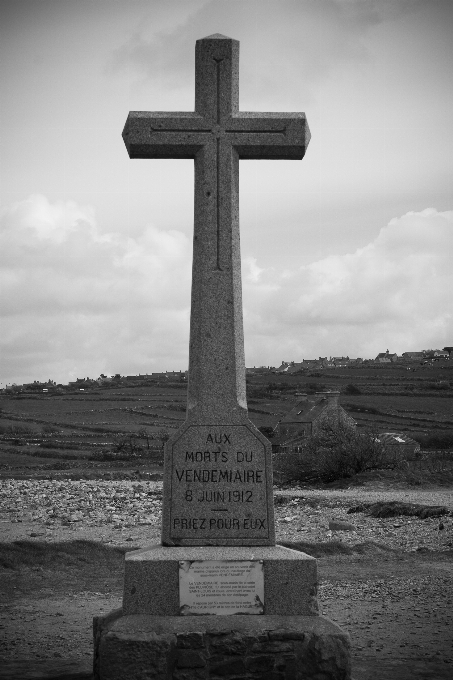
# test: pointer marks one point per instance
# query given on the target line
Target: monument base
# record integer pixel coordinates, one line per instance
(141, 647)
(151, 578)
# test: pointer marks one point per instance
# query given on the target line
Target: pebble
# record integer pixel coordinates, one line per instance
(298, 520)
(305, 517)
(93, 502)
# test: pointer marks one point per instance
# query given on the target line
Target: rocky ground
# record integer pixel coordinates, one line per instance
(388, 580)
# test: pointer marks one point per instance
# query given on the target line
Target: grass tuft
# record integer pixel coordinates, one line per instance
(333, 548)
(319, 549)
(396, 508)
(78, 554)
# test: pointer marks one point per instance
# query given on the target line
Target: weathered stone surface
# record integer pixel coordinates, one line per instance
(230, 643)
(258, 663)
(226, 666)
(220, 482)
(151, 578)
(314, 648)
(190, 640)
(190, 658)
(273, 646)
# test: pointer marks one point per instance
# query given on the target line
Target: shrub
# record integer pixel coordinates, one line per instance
(127, 446)
(352, 389)
(163, 435)
(441, 385)
(436, 441)
(364, 409)
(176, 406)
(49, 429)
(397, 508)
(313, 387)
(339, 451)
(15, 430)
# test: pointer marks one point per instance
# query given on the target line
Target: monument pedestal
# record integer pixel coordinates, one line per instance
(152, 638)
(152, 578)
(141, 647)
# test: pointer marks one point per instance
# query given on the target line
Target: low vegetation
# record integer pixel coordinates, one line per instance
(436, 441)
(398, 509)
(338, 451)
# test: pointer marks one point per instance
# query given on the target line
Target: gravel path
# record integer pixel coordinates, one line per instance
(399, 615)
(120, 511)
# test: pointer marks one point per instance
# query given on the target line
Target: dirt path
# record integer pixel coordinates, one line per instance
(398, 611)
(394, 599)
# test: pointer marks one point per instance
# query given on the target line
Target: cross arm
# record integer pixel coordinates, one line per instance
(160, 134)
(269, 135)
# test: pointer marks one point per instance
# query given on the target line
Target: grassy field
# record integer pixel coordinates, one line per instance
(82, 427)
(389, 398)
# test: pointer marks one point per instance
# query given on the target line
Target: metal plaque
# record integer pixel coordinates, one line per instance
(221, 587)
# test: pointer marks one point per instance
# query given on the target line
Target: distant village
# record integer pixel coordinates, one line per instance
(409, 359)
(423, 357)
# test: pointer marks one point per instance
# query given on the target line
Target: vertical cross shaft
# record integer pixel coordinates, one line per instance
(216, 355)
(216, 135)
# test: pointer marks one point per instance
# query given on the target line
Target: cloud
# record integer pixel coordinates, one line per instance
(281, 42)
(393, 293)
(78, 302)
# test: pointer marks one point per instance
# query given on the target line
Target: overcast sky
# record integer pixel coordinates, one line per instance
(347, 252)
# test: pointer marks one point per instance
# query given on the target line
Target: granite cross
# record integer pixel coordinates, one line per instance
(216, 136)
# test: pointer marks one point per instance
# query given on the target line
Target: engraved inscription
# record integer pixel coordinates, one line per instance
(218, 484)
(221, 587)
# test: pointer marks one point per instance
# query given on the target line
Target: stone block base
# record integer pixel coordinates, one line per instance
(143, 647)
(151, 578)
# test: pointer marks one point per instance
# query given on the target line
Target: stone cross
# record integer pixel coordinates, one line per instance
(217, 479)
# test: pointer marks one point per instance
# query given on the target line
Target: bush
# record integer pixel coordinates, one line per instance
(396, 509)
(436, 441)
(49, 429)
(441, 385)
(176, 407)
(339, 451)
(313, 387)
(15, 430)
(364, 409)
(352, 389)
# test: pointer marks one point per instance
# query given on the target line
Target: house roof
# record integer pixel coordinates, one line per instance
(287, 440)
(393, 438)
(305, 411)
(294, 367)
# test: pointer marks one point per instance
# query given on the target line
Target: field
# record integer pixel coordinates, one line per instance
(417, 401)
(80, 484)
(76, 430)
